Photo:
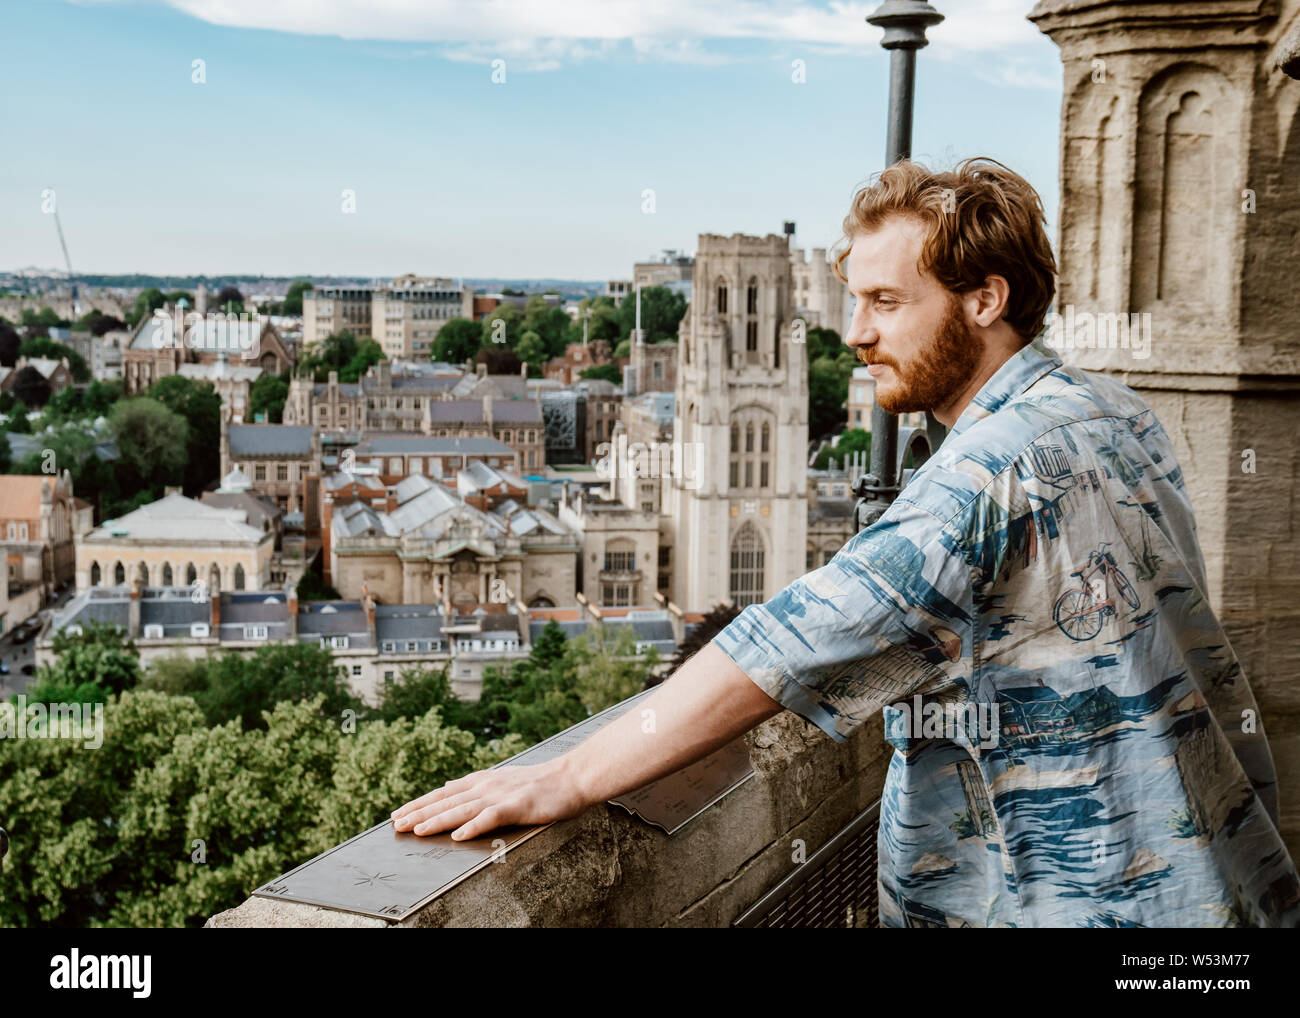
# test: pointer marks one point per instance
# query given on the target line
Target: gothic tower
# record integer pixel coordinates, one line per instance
(738, 520)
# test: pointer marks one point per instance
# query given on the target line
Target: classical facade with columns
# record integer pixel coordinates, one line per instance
(1178, 259)
(177, 542)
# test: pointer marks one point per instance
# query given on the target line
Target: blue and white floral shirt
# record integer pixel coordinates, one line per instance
(1077, 744)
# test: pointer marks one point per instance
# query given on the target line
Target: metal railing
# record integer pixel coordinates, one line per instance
(834, 888)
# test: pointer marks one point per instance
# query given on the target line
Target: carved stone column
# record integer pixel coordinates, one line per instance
(1180, 205)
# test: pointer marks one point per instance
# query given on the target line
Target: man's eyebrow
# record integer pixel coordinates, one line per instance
(876, 290)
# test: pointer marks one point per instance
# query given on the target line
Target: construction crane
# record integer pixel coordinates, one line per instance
(72, 282)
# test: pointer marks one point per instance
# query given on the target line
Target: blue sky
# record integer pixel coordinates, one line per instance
(454, 175)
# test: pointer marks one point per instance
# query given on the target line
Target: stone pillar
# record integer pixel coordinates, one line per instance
(1180, 200)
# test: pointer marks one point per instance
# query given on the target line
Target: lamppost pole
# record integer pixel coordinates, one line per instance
(905, 23)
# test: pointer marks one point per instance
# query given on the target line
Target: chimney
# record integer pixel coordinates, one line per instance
(291, 623)
(480, 369)
(334, 380)
(523, 370)
(487, 412)
(133, 609)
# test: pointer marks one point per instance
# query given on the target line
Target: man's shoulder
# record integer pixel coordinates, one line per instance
(990, 449)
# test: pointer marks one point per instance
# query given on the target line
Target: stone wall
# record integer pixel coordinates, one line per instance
(608, 868)
(1180, 215)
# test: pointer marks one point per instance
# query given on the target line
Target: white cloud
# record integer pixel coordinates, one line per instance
(546, 33)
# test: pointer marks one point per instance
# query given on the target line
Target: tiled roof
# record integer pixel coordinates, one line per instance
(271, 439)
(430, 445)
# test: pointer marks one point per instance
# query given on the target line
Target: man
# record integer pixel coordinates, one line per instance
(1076, 742)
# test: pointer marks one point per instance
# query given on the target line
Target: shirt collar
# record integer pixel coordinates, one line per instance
(1021, 370)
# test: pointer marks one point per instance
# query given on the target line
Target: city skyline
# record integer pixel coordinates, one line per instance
(451, 174)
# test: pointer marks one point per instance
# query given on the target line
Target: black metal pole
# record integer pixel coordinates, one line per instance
(905, 23)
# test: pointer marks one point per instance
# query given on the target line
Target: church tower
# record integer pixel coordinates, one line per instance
(738, 521)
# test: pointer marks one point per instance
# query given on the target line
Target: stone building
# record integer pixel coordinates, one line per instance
(742, 401)
(1180, 199)
(276, 458)
(432, 547)
(577, 357)
(175, 336)
(39, 522)
(516, 423)
(620, 550)
(57, 373)
(820, 297)
(332, 404)
(402, 316)
(333, 309)
(399, 456)
(653, 368)
(177, 541)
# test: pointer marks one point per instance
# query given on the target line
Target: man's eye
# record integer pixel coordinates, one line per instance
(886, 302)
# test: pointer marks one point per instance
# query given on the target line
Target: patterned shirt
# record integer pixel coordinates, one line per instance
(1076, 742)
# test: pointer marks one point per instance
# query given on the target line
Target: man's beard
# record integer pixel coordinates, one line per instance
(936, 372)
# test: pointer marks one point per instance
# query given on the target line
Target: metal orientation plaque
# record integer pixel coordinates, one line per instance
(389, 875)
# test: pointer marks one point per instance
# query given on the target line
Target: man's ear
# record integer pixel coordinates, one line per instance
(990, 300)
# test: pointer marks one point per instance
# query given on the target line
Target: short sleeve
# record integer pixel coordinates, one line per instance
(877, 622)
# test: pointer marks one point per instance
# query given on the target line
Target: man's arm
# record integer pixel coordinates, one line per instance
(706, 704)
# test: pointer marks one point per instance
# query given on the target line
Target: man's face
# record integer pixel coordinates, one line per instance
(909, 328)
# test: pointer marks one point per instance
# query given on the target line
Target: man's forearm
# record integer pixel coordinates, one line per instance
(706, 704)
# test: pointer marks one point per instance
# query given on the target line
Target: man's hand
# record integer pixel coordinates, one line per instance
(485, 800)
(705, 704)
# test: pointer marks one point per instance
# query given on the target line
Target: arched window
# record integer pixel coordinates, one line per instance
(541, 602)
(142, 572)
(747, 567)
(767, 435)
(167, 574)
(191, 575)
(749, 437)
(721, 290)
(95, 575)
(751, 298)
(239, 576)
(119, 574)
(735, 438)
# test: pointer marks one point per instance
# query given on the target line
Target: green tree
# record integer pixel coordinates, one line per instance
(312, 588)
(416, 691)
(292, 304)
(152, 444)
(601, 317)
(532, 351)
(609, 372)
(10, 344)
(510, 331)
(177, 674)
(31, 387)
(243, 686)
(87, 667)
(606, 669)
(230, 300)
(146, 303)
(851, 441)
(662, 310)
(549, 323)
(457, 341)
(267, 396)
(199, 405)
